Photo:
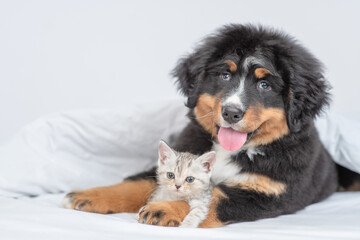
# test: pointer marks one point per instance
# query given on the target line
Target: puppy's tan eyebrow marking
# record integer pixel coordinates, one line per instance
(232, 65)
(261, 72)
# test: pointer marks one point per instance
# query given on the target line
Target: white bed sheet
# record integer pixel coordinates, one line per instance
(338, 217)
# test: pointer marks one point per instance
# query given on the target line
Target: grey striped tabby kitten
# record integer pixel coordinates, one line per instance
(184, 176)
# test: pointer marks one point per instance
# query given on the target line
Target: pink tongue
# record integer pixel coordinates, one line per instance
(230, 139)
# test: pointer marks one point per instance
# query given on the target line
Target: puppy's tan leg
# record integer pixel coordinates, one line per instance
(128, 196)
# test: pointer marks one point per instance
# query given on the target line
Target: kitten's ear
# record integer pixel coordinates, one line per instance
(165, 152)
(208, 160)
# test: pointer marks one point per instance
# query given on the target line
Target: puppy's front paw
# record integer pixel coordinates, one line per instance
(139, 213)
(77, 200)
(127, 196)
(88, 201)
(169, 214)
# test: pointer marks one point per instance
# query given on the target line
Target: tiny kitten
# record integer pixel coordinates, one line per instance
(184, 176)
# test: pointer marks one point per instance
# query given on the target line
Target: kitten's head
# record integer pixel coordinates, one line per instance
(184, 174)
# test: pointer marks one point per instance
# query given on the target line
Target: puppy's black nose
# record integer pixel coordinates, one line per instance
(232, 114)
(177, 186)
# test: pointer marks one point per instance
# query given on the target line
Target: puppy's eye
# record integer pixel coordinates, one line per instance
(263, 85)
(190, 179)
(225, 76)
(170, 175)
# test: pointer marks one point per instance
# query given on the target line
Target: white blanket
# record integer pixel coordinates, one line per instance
(38, 218)
(82, 149)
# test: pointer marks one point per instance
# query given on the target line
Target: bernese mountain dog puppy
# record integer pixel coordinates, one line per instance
(252, 95)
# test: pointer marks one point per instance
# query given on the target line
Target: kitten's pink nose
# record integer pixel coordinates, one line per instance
(177, 186)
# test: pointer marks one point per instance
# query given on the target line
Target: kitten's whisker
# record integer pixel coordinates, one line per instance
(151, 190)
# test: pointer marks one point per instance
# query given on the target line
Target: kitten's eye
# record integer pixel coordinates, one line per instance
(225, 76)
(190, 179)
(170, 175)
(263, 85)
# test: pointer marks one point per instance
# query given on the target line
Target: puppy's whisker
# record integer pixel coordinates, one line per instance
(203, 116)
(206, 115)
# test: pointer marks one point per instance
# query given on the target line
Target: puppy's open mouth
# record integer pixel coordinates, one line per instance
(233, 140)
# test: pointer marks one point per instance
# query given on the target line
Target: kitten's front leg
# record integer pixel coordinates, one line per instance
(174, 212)
(198, 212)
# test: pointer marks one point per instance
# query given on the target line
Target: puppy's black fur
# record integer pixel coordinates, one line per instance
(290, 84)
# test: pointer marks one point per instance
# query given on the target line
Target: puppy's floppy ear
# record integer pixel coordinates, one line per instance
(308, 91)
(189, 71)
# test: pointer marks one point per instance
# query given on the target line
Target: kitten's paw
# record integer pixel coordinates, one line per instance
(188, 225)
(165, 213)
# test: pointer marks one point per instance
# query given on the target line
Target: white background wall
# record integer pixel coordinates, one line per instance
(68, 54)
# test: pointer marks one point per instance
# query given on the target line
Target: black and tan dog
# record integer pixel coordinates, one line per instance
(253, 94)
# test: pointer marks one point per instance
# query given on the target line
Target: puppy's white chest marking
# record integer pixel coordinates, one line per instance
(224, 168)
(252, 151)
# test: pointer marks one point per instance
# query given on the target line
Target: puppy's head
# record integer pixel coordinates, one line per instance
(251, 85)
